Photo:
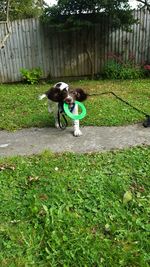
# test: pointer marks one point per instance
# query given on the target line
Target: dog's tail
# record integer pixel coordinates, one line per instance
(42, 96)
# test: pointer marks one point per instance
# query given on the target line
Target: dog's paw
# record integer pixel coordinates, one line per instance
(41, 96)
(56, 125)
(49, 109)
(77, 133)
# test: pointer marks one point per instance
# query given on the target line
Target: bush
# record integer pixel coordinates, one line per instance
(31, 76)
(131, 72)
(112, 70)
(147, 70)
(117, 68)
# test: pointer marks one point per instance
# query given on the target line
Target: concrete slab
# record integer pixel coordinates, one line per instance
(94, 139)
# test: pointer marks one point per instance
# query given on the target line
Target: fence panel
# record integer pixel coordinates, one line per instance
(70, 54)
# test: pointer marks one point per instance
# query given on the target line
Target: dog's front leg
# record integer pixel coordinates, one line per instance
(55, 112)
(53, 107)
(76, 127)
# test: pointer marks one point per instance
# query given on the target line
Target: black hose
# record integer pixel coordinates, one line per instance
(62, 126)
(127, 103)
(146, 122)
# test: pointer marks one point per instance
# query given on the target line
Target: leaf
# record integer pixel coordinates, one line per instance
(45, 209)
(65, 238)
(107, 227)
(33, 179)
(6, 166)
(127, 197)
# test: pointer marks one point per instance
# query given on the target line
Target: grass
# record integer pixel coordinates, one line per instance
(20, 107)
(74, 210)
(68, 210)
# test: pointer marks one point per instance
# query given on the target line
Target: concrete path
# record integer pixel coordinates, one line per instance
(34, 140)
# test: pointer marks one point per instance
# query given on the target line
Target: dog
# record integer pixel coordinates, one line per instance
(60, 93)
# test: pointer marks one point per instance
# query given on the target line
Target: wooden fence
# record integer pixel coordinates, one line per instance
(70, 54)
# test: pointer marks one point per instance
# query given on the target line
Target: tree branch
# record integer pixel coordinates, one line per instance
(8, 28)
(145, 3)
(89, 54)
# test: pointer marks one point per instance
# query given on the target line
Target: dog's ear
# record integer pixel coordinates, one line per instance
(80, 95)
(53, 94)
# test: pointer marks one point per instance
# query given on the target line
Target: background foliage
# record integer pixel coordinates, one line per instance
(118, 68)
(69, 13)
(21, 9)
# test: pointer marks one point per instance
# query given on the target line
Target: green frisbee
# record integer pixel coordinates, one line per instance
(71, 115)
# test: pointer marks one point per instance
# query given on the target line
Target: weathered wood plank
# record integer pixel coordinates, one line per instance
(66, 54)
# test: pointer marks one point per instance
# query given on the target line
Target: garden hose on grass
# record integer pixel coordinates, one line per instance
(146, 123)
(63, 126)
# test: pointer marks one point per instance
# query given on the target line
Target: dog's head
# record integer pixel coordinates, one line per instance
(60, 93)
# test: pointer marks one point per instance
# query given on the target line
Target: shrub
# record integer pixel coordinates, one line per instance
(147, 70)
(112, 70)
(116, 68)
(31, 76)
(131, 72)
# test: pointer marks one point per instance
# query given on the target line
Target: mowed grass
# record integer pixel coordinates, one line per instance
(68, 210)
(75, 210)
(20, 107)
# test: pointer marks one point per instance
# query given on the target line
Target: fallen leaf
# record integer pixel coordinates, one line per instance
(107, 227)
(33, 179)
(43, 197)
(6, 166)
(127, 197)
(4, 145)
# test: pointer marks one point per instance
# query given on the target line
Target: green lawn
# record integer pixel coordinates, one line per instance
(68, 210)
(20, 107)
(74, 210)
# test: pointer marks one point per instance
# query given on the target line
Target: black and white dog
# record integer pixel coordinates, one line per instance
(60, 93)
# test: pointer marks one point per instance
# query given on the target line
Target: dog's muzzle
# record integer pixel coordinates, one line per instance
(69, 100)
